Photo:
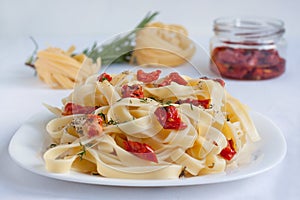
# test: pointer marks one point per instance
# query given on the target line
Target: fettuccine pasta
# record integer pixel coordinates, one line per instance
(139, 126)
(59, 69)
(162, 44)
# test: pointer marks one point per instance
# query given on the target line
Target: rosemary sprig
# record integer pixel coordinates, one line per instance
(120, 49)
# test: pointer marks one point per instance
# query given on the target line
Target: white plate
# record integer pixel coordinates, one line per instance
(29, 141)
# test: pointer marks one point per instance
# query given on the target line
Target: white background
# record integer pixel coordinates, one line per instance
(95, 17)
(62, 23)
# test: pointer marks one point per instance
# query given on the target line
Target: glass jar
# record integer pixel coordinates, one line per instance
(248, 48)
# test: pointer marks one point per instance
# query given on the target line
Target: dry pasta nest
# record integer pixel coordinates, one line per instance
(162, 44)
(60, 69)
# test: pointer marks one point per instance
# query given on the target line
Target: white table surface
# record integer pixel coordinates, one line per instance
(22, 95)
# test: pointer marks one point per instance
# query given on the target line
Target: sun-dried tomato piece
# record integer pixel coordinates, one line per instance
(93, 125)
(221, 81)
(228, 152)
(148, 77)
(196, 102)
(141, 150)
(91, 118)
(169, 118)
(72, 108)
(134, 91)
(173, 77)
(103, 77)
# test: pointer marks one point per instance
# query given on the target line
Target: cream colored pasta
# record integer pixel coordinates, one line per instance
(59, 69)
(191, 151)
(162, 44)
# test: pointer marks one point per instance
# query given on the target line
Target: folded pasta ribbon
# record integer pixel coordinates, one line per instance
(162, 44)
(60, 69)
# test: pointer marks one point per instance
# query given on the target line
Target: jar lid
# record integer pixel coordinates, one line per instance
(249, 28)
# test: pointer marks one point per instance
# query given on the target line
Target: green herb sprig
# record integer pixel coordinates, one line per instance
(120, 49)
(82, 152)
(112, 122)
(102, 115)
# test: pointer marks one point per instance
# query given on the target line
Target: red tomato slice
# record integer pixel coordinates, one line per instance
(141, 150)
(72, 108)
(196, 102)
(104, 76)
(221, 81)
(173, 77)
(134, 91)
(228, 152)
(93, 125)
(148, 77)
(169, 118)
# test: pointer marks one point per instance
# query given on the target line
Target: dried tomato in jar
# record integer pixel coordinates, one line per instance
(248, 48)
